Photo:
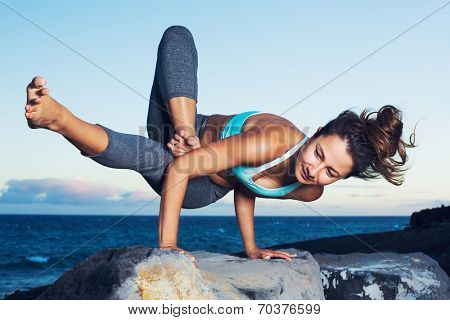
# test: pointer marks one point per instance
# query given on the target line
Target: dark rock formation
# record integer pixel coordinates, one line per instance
(31, 294)
(429, 217)
(386, 276)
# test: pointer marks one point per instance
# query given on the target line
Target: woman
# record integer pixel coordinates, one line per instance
(193, 160)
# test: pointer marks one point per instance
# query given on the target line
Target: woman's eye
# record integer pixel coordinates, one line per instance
(316, 154)
(329, 174)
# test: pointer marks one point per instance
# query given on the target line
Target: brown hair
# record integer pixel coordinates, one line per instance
(373, 142)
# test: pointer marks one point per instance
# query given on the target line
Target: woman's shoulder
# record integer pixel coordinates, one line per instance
(267, 118)
(281, 129)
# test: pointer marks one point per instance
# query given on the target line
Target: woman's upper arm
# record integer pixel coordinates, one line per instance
(248, 148)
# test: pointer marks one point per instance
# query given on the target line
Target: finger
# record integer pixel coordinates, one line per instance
(277, 254)
(179, 143)
(178, 137)
(182, 133)
(179, 148)
(286, 253)
(173, 141)
(171, 148)
(192, 141)
(283, 256)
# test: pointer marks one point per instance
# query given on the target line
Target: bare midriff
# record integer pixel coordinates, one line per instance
(214, 126)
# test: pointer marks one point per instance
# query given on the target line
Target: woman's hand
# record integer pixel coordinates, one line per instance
(268, 254)
(172, 247)
(182, 143)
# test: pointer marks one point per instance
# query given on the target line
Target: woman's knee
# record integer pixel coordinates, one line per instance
(177, 31)
(177, 35)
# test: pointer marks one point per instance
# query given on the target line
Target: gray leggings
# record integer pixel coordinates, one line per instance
(175, 75)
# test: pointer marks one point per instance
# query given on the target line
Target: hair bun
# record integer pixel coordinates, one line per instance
(384, 133)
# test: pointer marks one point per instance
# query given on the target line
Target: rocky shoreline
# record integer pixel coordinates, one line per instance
(429, 233)
(410, 264)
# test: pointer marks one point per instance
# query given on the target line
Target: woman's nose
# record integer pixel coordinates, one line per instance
(313, 171)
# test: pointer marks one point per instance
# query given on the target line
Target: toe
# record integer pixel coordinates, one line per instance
(34, 101)
(42, 92)
(38, 82)
(30, 109)
(30, 115)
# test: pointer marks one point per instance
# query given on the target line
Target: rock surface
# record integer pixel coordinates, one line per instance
(385, 276)
(142, 273)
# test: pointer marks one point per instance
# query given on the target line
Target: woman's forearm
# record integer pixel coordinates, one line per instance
(172, 196)
(245, 209)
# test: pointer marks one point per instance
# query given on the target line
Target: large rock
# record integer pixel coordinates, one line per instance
(382, 276)
(430, 217)
(142, 273)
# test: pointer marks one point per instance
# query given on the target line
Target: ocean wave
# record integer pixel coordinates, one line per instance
(38, 259)
(25, 263)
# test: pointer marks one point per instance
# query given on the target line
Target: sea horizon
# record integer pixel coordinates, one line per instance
(196, 215)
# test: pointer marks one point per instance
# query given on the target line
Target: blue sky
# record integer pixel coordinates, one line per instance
(252, 55)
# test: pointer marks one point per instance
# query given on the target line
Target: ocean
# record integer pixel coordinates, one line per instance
(37, 249)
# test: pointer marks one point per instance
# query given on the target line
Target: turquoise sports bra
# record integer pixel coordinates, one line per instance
(245, 174)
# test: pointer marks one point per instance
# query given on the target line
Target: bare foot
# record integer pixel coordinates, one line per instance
(41, 110)
(181, 143)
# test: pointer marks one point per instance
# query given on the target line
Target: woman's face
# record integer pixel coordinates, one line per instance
(323, 160)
